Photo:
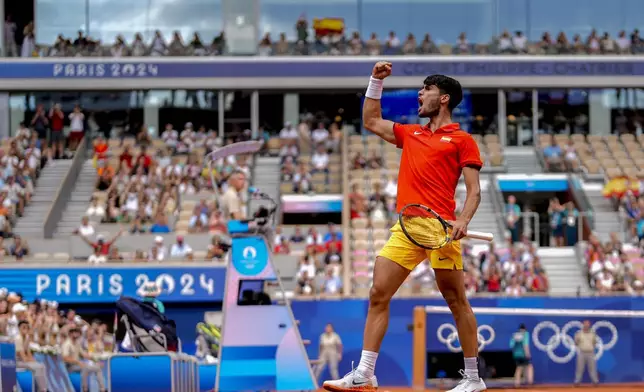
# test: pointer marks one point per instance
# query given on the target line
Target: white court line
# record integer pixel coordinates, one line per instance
(545, 312)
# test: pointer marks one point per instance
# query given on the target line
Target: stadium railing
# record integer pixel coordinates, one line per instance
(65, 189)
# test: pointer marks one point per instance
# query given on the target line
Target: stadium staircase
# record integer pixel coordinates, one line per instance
(31, 224)
(79, 202)
(607, 220)
(522, 160)
(266, 178)
(564, 271)
(485, 217)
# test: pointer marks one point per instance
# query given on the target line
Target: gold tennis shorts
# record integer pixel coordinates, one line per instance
(402, 251)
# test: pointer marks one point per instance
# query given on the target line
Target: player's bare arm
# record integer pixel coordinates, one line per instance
(371, 110)
(472, 201)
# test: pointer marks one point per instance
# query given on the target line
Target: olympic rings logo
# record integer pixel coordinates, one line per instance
(564, 337)
(452, 337)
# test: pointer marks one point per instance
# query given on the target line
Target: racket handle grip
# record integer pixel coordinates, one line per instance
(480, 235)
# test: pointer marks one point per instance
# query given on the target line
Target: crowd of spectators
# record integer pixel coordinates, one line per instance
(514, 270)
(319, 40)
(319, 268)
(309, 154)
(614, 266)
(152, 186)
(40, 327)
(21, 161)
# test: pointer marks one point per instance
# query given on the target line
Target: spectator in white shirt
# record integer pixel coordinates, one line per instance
(505, 43)
(10, 45)
(320, 160)
(170, 136)
(306, 268)
(302, 180)
(85, 229)
(289, 149)
(320, 135)
(393, 41)
(520, 42)
(288, 132)
(391, 189)
(97, 257)
(314, 238)
(77, 126)
(332, 283)
(180, 249)
(19, 314)
(186, 139)
(623, 42)
(158, 251)
(159, 47)
(514, 289)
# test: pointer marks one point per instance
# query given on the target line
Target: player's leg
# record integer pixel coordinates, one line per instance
(448, 267)
(388, 276)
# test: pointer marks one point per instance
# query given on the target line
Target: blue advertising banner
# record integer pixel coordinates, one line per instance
(550, 336)
(8, 381)
(105, 284)
(532, 183)
(316, 67)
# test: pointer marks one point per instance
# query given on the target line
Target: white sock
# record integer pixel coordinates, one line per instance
(367, 364)
(472, 367)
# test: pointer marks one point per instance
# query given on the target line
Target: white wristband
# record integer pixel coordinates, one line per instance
(374, 91)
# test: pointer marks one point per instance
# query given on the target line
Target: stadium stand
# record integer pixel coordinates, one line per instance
(608, 156)
(330, 38)
(614, 266)
(311, 160)
(310, 260)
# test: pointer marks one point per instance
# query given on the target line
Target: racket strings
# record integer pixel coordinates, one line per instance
(423, 227)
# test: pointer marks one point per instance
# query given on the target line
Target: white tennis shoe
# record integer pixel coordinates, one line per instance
(469, 384)
(352, 382)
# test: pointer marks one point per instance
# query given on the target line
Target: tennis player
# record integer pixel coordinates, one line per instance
(433, 158)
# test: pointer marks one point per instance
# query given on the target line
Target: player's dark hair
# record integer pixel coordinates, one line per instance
(449, 86)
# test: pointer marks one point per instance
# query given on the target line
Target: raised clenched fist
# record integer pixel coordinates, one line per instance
(381, 70)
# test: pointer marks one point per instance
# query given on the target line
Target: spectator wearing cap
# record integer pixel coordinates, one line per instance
(180, 249)
(520, 346)
(19, 314)
(73, 355)
(158, 250)
(101, 243)
(320, 135)
(25, 359)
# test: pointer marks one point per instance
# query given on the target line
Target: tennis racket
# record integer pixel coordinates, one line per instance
(428, 230)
